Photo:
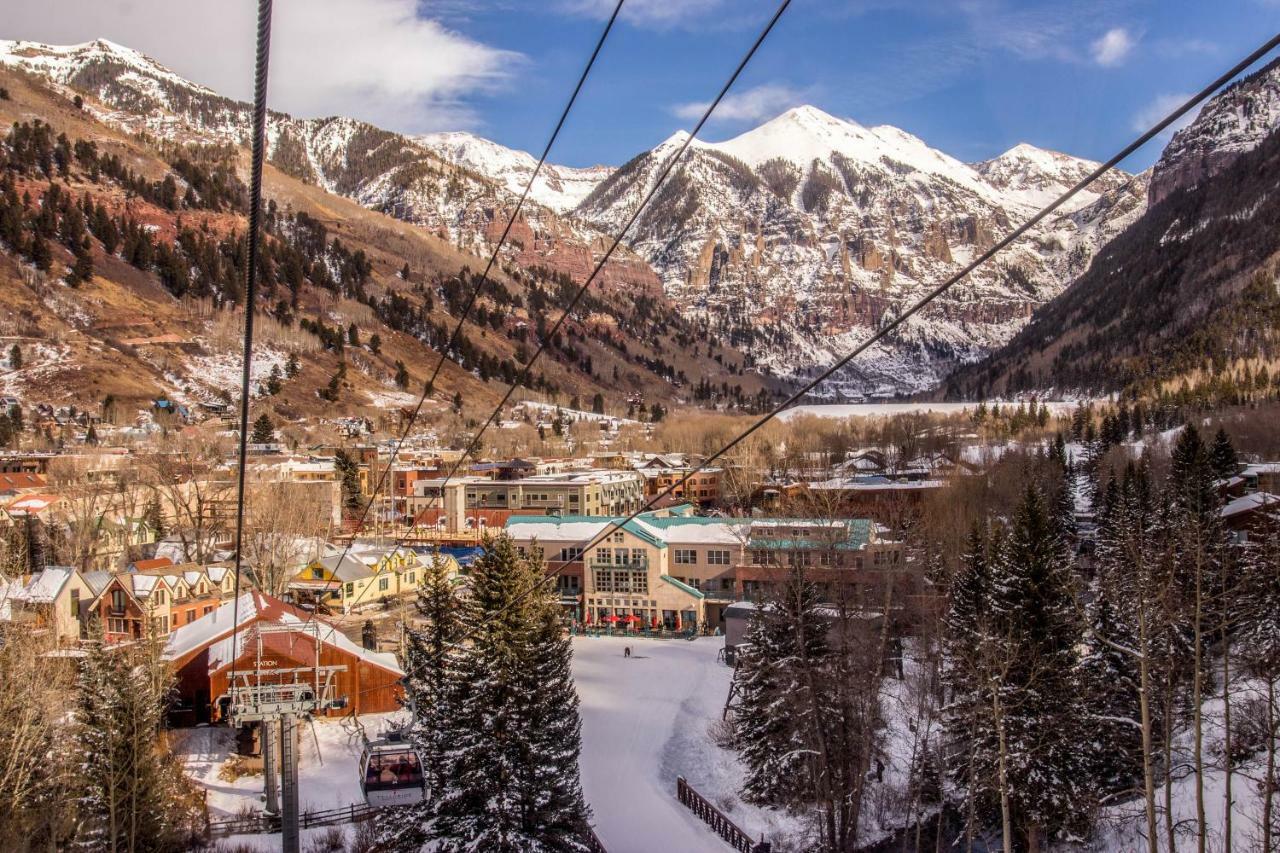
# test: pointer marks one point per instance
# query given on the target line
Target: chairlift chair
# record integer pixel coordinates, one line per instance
(391, 772)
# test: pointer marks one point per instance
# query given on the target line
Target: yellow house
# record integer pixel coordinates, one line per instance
(360, 579)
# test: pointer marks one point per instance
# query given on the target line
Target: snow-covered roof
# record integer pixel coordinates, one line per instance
(220, 652)
(1249, 503)
(46, 585)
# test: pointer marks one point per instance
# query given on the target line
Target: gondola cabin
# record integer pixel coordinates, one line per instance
(391, 773)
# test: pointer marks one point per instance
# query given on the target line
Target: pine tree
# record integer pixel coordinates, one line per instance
(274, 381)
(126, 790)
(457, 402)
(349, 477)
(291, 367)
(772, 724)
(264, 432)
(375, 343)
(1041, 711)
(1223, 456)
(402, 375)
(966, 717)
(1111, 691)
(513, 761)
(15, 357)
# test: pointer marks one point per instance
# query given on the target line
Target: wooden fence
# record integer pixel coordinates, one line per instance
(716, 819)
(263, 822)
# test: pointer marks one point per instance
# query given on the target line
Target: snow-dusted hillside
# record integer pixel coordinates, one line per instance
(806, 234)
(560, 188)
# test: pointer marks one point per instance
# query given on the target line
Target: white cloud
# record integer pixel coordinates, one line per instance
(1113, 47)
(1159, 107)
(650, 13)
(372, 59)
(757, 104)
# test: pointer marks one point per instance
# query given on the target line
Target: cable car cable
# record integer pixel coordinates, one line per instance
(250, 296)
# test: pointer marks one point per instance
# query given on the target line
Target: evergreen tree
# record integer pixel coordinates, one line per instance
(513, 761)
(457, 402)
(771, 728)
(353, 335)
(1111, 691)
(274, 381)
(292, 368)
(349, 477)
(375, 343)
(966, 715)
(1223, 456)
(126, 793)
(1042, 712)
(402, 375)
(15, 357)
(264, 432)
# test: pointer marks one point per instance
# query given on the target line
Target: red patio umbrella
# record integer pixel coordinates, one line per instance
(653, 623)
(610, 619)
(588, 617)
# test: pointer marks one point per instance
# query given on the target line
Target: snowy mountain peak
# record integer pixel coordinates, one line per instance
(560, 188)
(1038, 175)
(63, 63)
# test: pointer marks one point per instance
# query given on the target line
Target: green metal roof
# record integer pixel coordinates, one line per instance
(681, 585)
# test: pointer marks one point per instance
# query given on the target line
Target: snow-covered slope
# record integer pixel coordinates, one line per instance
(804, 235)
(560, 188)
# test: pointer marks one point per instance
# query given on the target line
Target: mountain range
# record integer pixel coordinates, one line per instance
(789, 243)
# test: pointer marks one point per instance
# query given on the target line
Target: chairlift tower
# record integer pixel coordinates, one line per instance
(270, 694)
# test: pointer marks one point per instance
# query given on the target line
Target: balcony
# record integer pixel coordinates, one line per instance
(641, 563)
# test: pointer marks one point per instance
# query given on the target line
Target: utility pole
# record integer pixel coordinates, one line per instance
(289, 842)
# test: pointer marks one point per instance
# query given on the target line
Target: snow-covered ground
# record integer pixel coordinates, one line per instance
(646, 720)
(867, 410)
(328, 772)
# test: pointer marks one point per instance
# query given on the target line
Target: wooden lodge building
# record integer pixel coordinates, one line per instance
(278, 634)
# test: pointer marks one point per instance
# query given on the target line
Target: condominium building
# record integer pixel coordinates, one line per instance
(677, 569)
(570, 493)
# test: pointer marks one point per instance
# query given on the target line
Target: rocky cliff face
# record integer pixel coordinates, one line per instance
(803, 236)
(1235, 121)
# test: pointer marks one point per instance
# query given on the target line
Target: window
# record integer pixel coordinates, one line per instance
(75, 604)
(409, 577)
(686, 557)
(351, 589)
(117, 601)
(208, 609)
(317, 574)
(159, 596)
(604, 556)
(718, 558)
(568, 555)
(116, 626)
(383, 584)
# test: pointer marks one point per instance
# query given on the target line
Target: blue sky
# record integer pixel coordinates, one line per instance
(971, 78)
